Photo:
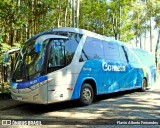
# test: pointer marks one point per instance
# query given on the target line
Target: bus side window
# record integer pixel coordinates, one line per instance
(111, 51)
(92, 49)
(130, 55)
(70, 49)
(62, 52)
(123, 54)
(56, 56)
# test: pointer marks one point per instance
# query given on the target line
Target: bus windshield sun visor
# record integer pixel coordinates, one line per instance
(10, 52)
(41, 39)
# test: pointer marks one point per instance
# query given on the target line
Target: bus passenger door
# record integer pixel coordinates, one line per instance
(60, 65)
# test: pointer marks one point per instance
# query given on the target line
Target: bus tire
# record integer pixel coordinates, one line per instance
(144, 85)
(86, 94)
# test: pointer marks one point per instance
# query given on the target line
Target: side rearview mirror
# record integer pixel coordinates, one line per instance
(38, 47)
(6, 58)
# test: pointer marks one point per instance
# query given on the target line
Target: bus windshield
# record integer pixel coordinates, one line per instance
(29, 63)
(57, 53)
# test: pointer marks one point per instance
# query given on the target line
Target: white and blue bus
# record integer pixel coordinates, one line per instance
(69, 63)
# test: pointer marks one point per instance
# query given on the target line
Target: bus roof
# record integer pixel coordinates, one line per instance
(75, 30)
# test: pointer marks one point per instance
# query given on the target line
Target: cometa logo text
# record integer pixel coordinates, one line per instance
(116, 68)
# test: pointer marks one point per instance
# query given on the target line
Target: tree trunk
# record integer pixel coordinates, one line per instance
(59, 14)
(6, 39)
(73, 13)
(156, 50)
(35, 17)
(28, 28)
(136, 41)
(150, 35)
(2, 78)
(120, 22)
(11, 37)
(77, 13)
(66, 11)
(140, 42)
(145, 40)
(70, 15)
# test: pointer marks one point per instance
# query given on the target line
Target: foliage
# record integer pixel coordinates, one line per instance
(122, 19)
(7, 87)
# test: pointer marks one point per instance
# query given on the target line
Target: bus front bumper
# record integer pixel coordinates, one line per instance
(37, 96)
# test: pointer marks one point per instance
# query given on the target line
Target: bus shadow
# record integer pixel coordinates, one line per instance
(40, 109)
(99, 98)
(27, 110)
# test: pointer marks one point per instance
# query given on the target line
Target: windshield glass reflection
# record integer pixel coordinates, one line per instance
(29, 63)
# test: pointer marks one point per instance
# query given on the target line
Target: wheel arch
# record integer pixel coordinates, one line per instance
(146, 80)
(92, 83)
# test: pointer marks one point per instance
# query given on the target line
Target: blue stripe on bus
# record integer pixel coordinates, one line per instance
(27, 84)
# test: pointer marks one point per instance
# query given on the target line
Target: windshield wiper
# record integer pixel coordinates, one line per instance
(27, 70)
(34, 74)
(20, 72)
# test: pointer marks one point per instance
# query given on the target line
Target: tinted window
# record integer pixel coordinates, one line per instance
(70, 35)
(61, 52)
(131, 56)
(92, 49)
(111, 51)
(70, 49)
(122, 54)
(57, 53)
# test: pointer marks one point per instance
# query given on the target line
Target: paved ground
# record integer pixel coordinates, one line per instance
(106, 111)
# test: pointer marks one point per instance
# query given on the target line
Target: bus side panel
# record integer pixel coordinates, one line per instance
(114, 77)
(151, 75)
(136, 75)
(113, 80)
(140, 76)
(92, 70)
(139, 72)
(107, 81)
(62, 83)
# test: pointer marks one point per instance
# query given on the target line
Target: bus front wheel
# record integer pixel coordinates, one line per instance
(86, 95)
(144, 85)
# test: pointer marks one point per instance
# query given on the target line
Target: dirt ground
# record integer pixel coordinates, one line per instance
(112, 110)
